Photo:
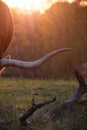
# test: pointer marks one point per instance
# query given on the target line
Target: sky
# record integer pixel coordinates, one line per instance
(35, 5)
(31, 5)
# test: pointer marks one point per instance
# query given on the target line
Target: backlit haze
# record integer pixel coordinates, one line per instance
(31, 5)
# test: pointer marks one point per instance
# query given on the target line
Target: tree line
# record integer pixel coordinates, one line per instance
(63, 25)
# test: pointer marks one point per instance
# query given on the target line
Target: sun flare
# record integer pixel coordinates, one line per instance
(30, 5)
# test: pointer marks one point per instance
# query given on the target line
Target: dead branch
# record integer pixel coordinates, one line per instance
(27, 113)
(82, 87)
(74, 100)
(79, 77)
(68, 105)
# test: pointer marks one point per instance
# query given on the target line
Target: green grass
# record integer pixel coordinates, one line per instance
(16, 95)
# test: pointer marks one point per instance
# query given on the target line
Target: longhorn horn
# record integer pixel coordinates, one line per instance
(33, 64)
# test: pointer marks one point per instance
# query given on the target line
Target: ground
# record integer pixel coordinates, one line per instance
(16, 95)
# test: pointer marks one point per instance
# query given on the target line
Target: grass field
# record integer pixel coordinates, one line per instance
(16, 95)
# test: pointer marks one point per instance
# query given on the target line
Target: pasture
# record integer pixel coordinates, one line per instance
(16, 95)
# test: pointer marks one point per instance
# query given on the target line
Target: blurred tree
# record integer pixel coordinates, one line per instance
(63, 25)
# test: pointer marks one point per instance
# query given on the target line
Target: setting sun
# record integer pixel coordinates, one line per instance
(30, 5)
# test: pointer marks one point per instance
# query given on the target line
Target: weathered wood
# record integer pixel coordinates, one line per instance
(74, 100)
(35, 106)
(82, 87)
(79, 78)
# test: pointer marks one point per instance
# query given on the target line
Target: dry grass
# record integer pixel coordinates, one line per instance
(16, 95)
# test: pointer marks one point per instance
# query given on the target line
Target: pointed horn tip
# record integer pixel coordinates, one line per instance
(65, 49)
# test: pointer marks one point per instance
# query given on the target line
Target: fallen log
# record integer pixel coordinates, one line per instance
(74, 101)
(35, 106)
(70, 105)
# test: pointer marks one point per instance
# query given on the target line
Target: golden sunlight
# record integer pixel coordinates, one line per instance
(31, 5)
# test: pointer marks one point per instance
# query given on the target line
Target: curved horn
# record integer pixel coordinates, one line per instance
(33, 64)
